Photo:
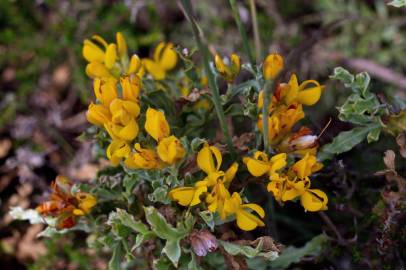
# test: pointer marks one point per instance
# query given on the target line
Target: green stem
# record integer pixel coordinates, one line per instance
(267, 89)
(198, 35)
(257, 40)
(243, 34)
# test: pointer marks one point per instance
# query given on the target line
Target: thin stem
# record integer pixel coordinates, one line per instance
(198, 35)
(273, 226)
(257, 40)
(267, 89)
(331, 225)
(243, 34)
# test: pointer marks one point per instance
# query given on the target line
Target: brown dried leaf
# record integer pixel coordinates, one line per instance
(401, 140)
(5, 146)
(389, 159)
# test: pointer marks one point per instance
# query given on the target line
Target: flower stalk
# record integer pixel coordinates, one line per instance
(267, 90)
(187, 9)
(243, 34)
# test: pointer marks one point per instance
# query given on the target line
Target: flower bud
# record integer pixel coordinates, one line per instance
(203, 242)
(272, 66)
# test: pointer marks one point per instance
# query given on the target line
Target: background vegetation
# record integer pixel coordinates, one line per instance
(44, 95)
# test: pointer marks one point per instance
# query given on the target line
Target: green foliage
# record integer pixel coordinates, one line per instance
(165, 231)
(248, 251)
(294, 255)
(361, 108)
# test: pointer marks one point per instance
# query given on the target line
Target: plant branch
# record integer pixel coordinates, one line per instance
(207, 58)
(243, 34)
(257, 39)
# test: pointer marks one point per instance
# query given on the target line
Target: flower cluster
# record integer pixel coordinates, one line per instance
(285, 110)
(118, 114)
(65, 205)
(215, 189)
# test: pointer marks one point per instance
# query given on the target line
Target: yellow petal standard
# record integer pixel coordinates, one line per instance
(230, 173)
(228, 71)
(272, 66)
(111, 56)
(156, 124)
(245, 220)
(187, 196)
(135, 65)
(86, 201)
(209, 159)
(91, 52)
(105, 90)
(98, 114)
(117, 150)
(131, 87)
(260, 164)
(143, 158)
(97, 70)
(170, 150)
(165, 56)
(306, 166)
(121, 45)
(314, 200)
(153, 68)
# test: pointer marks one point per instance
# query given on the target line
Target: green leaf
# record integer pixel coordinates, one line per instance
(121, 217)
(167, 232)
(346, 140)
(343, 76)
(159, 225)
(248, 251)
(172, 250)
(160, 195)
(373, 135)
(118, 253)
(361, 82)
(293, 255)
(398, 3)
(208, 218)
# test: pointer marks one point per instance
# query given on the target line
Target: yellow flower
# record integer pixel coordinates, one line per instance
(101, 61)
(143, 158)
(156, 124)
(245, 220)
(105, 90)
(188, 196)
(131, 87)
(228, 71)
(86, 202)
(97, 70)
(306, 166)
(109, 60)
(209, 160)
(277, 186)
(123, 125)
(164, 60)
(314, 200)
(135, 66)
(311, 199)
(121, 45)
(293, 92)
(170, 150)
(281, 122)
(260, 164)
(272, 66)
(98, 114)
(117, 150)
(218, 197)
